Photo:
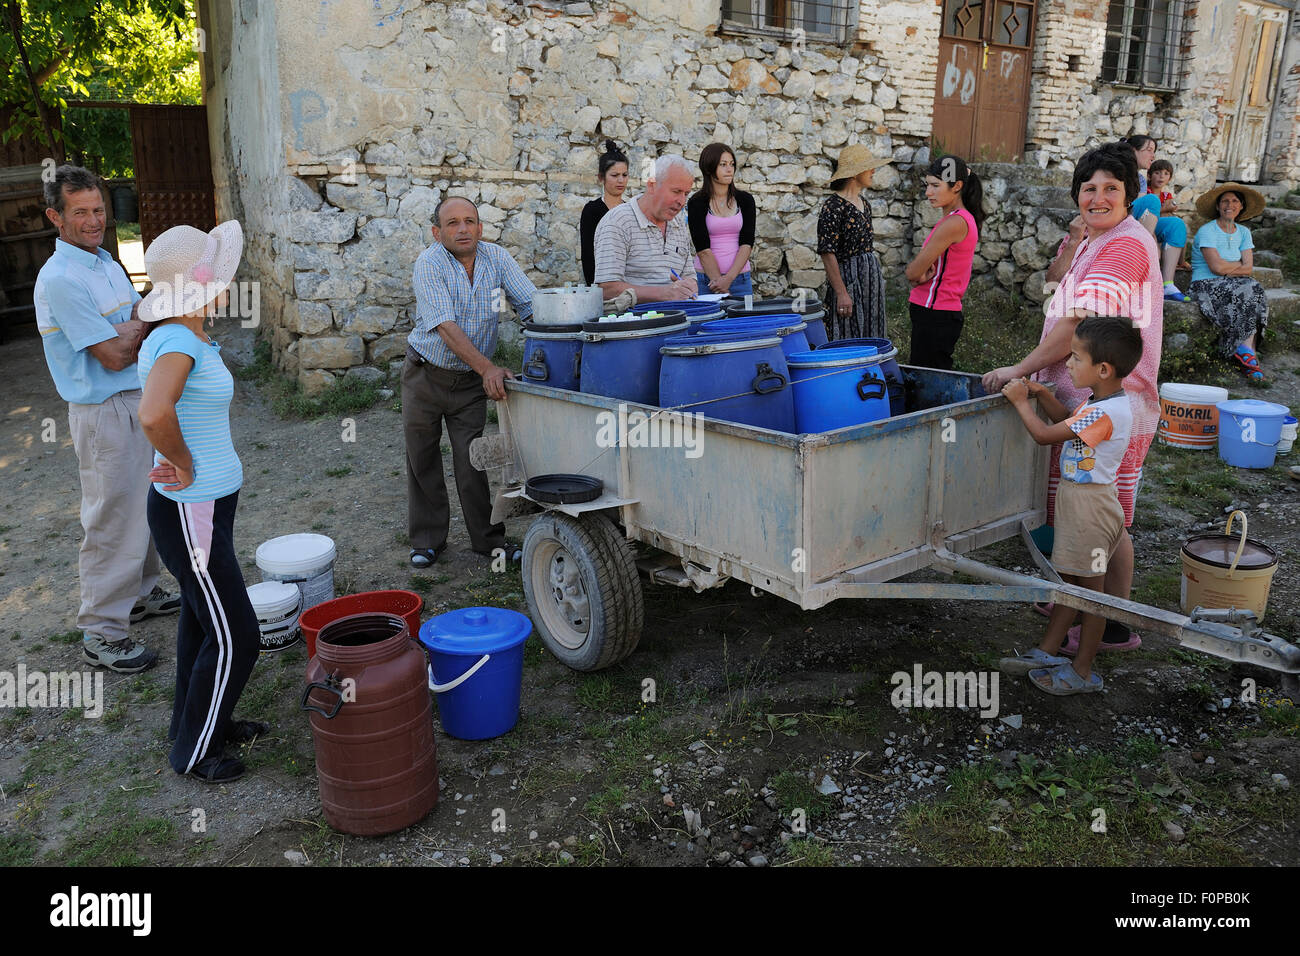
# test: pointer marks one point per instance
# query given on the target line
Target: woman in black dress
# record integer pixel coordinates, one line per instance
(613, 179)
(854, 289)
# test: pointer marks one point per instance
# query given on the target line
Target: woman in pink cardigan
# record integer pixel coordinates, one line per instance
(1107, 267)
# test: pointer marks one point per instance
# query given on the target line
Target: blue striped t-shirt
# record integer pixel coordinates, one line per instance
(203, 411)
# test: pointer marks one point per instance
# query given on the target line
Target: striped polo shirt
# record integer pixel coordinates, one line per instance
(203, 411)
(80, 296)
(630, 248)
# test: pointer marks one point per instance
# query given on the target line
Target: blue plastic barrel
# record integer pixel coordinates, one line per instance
(790, 327)
(807, 305)
(621, 359)
(893, 374)
(836, 388)
(731, 376)
(553, 354)
(476, 668)
(696, 312)
(1249, 431)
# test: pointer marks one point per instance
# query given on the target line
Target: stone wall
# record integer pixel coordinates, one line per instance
(357, 118)
(1284, 137)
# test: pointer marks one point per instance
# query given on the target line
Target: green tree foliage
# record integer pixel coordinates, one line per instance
(125, 50)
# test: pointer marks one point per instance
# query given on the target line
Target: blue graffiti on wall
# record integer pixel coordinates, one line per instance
(305, 106)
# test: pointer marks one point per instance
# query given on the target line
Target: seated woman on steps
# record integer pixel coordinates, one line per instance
(1222, 266)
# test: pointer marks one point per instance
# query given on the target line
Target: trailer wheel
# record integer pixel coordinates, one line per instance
(582, 589)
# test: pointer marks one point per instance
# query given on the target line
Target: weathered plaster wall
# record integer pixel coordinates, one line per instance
(1284, 136)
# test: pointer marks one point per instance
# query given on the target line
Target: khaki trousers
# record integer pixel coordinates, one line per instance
(117, 564)
(429, 395)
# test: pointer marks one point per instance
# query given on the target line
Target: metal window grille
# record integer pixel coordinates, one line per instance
(815, 19)
(1145, 44)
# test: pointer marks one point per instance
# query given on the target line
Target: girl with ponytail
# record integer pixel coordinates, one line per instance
(940, 272)
(612, 172)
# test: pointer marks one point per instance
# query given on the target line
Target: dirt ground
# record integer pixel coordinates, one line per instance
(774, 725)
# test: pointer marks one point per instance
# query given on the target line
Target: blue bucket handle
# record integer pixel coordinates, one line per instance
(453, 684)
(536, 369)
(870, 384)
(768, 380)
(1266, 444)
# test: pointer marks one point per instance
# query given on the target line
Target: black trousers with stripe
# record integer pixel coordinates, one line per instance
(217, 639)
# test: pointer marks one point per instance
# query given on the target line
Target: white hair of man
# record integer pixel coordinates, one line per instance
(667, 162)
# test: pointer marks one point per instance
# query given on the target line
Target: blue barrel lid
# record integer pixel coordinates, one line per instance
(777, 320)
(821, 358)
(1253, 406)
(881, 345)
(689, 306)
(475, 630)
(754, 338)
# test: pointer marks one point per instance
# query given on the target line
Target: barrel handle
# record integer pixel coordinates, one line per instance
(577, 364)
(1240, 547)
(871, 384)
(1266, 444)
(768, 380)
(593, 336)
(536, 368)
(452, 685)
(331, 688)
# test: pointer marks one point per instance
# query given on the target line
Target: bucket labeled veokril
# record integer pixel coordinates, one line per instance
(276, 605)
(1227, 571)
(404, 604)
(1189, 415)
(476, 669)
(1249, 431)
(306, 560)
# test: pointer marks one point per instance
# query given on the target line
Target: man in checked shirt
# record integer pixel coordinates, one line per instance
(459, 284)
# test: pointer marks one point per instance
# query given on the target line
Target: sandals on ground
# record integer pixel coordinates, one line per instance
(1247, 359)
(423, 557)
(1064, 681)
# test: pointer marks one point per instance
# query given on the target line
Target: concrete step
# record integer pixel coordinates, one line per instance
(1267, 258)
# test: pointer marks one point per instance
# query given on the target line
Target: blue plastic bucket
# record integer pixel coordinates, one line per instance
(893, 374)
(739, 376)
(790, 327)
(621, 359)
(476, 669)
(553, 354)
(1249, 431)
(837, 388)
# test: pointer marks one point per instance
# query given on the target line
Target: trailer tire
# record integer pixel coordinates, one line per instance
(582, 589)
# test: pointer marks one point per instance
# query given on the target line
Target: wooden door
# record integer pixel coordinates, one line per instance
(1258, 34)
(173, 171)
(981, 99)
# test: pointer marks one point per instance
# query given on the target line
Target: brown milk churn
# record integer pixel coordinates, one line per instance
(372, 725)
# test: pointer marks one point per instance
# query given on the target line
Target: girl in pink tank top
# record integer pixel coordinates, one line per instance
(940, 272)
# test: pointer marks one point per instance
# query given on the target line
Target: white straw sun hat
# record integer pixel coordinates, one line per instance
(189, 268)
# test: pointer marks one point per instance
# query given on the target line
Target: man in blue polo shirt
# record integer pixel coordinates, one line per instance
(85, 310)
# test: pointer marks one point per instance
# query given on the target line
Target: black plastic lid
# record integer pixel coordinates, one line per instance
(663, 320)
(736, 307)
(564, 489)
(553, 327)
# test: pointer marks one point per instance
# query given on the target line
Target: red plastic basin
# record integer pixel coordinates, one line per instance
(406, 604)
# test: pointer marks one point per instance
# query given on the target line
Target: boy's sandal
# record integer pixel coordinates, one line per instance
(1028, 661)
(1071, 645)
(1062, 681)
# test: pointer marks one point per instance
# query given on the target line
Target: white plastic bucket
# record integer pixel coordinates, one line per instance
(1288, 435)
(276, 605)
(1189, 417)
(306, 560)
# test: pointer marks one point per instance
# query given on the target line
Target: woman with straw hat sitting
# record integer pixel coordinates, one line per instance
(185, 414)
(1222, 264)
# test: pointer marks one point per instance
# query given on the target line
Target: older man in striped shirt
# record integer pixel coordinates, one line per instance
(642, 246)
(460, 283)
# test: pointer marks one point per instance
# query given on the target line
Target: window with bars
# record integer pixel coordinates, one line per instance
(831, 20)
(1144, 44)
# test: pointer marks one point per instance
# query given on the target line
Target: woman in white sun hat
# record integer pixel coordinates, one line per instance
(185, 414)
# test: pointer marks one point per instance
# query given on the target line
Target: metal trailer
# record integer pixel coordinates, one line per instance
(811, 518)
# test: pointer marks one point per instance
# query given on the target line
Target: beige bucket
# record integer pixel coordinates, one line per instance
(1225, 572)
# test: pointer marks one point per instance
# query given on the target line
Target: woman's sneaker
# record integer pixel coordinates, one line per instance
(124, 657)
(158, 602)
